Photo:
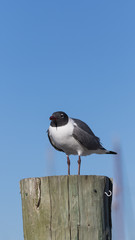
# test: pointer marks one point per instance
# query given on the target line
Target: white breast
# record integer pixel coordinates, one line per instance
(62, 138)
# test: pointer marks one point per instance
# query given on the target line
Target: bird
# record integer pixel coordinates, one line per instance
(73, 137)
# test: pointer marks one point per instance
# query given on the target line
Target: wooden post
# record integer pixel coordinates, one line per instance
(66, 208)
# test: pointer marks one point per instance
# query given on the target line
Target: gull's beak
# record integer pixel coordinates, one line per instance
(52, 118)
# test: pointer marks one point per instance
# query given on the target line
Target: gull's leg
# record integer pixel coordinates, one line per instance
(68, 162)
(79, 164)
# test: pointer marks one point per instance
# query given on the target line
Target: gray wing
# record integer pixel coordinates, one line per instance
(83, 134)
(53, 143)
(83, 126)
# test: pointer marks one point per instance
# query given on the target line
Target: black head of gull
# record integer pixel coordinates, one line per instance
(73, 136)
(59, 119)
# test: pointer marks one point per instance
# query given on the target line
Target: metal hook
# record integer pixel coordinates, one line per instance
(108, 195)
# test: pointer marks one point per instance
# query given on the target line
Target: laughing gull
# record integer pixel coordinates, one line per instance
(73, 136)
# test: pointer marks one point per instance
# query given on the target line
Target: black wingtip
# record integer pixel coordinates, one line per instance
(111, 152)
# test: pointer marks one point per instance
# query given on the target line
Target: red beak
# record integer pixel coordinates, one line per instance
(52, 118)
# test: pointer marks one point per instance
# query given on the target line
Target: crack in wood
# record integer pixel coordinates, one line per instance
(78, 210)
(38, 192)
(69, 220)
(50, 207)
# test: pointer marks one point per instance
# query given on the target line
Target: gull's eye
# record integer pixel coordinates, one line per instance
(62, 115)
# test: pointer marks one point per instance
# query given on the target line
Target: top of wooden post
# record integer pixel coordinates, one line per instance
(66, 207)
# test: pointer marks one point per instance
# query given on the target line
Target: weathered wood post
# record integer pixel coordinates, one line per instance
(66, 208)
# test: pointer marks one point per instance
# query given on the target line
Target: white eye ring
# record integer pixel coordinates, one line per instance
(62, 115)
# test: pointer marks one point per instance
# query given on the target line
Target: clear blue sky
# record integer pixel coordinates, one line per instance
(75, 56)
